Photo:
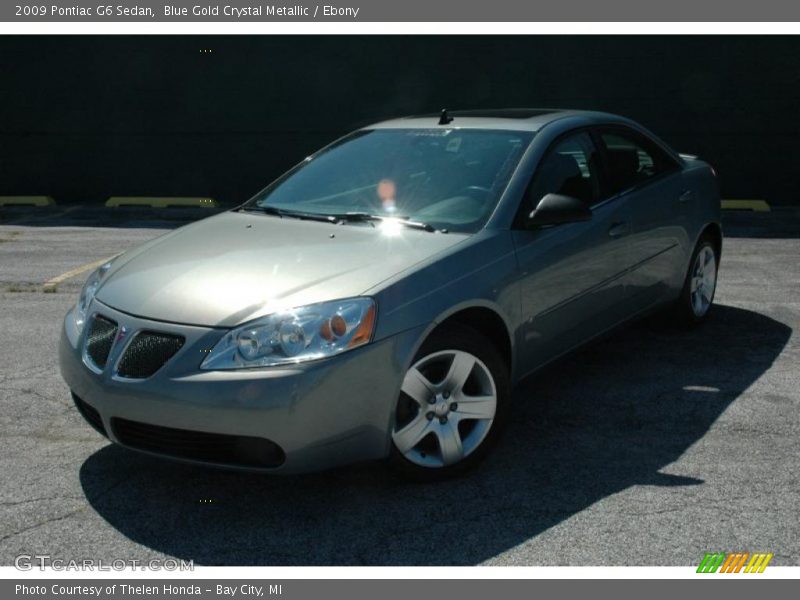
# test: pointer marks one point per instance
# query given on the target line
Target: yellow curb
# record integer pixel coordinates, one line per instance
(27, 201)
(754, 205)
(160, 202)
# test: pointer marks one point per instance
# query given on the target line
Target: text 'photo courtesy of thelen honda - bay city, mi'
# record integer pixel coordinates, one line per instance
(382, 298)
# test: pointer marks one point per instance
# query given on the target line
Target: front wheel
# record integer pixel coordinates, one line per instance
(451, 406)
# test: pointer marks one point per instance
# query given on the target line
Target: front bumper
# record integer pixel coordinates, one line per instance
(321, 414)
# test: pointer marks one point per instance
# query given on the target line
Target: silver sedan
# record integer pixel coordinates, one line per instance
(381, 299)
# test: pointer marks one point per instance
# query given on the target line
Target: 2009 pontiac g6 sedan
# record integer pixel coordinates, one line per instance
(381, 298)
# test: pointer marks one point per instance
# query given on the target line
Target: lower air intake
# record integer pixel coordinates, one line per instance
(222, 449)
(90, 414)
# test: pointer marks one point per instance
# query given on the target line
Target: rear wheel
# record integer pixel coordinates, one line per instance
(700, 285)
(451, 406)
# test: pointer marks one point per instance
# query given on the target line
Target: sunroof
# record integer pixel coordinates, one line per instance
(501, 113)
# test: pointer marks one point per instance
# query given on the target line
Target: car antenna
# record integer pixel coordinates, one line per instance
(444, 119)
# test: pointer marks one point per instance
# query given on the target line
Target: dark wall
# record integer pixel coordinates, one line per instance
(82, 118)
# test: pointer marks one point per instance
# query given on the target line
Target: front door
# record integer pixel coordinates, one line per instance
(571, 275)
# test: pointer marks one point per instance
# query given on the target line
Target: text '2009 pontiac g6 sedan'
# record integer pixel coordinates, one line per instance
(381, 298)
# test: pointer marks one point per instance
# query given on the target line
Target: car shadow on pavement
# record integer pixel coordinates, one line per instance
(611, 416)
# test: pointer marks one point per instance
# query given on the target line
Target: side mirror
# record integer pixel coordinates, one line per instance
(554, 209)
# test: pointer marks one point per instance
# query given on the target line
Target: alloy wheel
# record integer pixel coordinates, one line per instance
(447, 406)
(704, 281)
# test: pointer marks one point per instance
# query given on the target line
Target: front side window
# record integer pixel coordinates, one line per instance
(448, 178)
(632, 159)
(570, 169)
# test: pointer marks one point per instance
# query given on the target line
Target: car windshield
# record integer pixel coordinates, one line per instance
(446, 178)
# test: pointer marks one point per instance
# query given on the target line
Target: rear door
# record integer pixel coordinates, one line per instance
(571, 275)
(648, 179)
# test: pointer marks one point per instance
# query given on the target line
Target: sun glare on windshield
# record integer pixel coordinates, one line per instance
(449, 178)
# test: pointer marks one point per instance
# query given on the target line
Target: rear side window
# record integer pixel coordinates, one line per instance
(632, 159)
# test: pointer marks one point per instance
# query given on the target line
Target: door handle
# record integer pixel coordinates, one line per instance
(685, 196)
(618, 229)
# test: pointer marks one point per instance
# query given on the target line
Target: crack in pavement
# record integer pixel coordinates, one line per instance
(61, 517)
(42, 499)
(43, 523)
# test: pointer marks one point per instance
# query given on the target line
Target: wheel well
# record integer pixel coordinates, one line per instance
(486, 322)
(714, 233)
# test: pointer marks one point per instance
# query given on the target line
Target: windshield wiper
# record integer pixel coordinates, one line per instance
(294, 214)
(366, 217)
(349, 217)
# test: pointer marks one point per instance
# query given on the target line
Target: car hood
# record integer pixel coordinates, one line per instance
(234, 267)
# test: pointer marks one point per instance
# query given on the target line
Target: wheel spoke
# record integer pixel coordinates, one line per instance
(460, 370)
(707, 257)
(475, 407)
(416, 385)
(706, 294)
(709, 279)
(450, 443)
(412, 434)
(697, 302)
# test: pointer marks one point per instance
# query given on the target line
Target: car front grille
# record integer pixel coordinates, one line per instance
(231, 450)
(147, 353)
(90, 414)
(99, 340)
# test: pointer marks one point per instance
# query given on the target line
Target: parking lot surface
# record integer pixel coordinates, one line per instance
(650, 447)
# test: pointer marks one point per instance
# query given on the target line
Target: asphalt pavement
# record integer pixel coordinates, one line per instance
(650, 447)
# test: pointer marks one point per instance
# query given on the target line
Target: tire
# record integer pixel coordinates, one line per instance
(452, 405)
(700, 284)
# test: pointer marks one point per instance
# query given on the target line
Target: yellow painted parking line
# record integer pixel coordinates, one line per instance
(27, 201)
(160, 201)
(50, 284)
(754, 205)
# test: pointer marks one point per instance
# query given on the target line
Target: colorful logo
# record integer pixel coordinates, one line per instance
(734, 562)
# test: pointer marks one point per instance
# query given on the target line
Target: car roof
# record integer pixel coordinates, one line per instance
(518, 119)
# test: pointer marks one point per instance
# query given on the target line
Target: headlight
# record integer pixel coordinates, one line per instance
(297, 335)
(87, 294)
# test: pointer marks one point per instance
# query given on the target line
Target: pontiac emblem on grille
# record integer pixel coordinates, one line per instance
(123, 331)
